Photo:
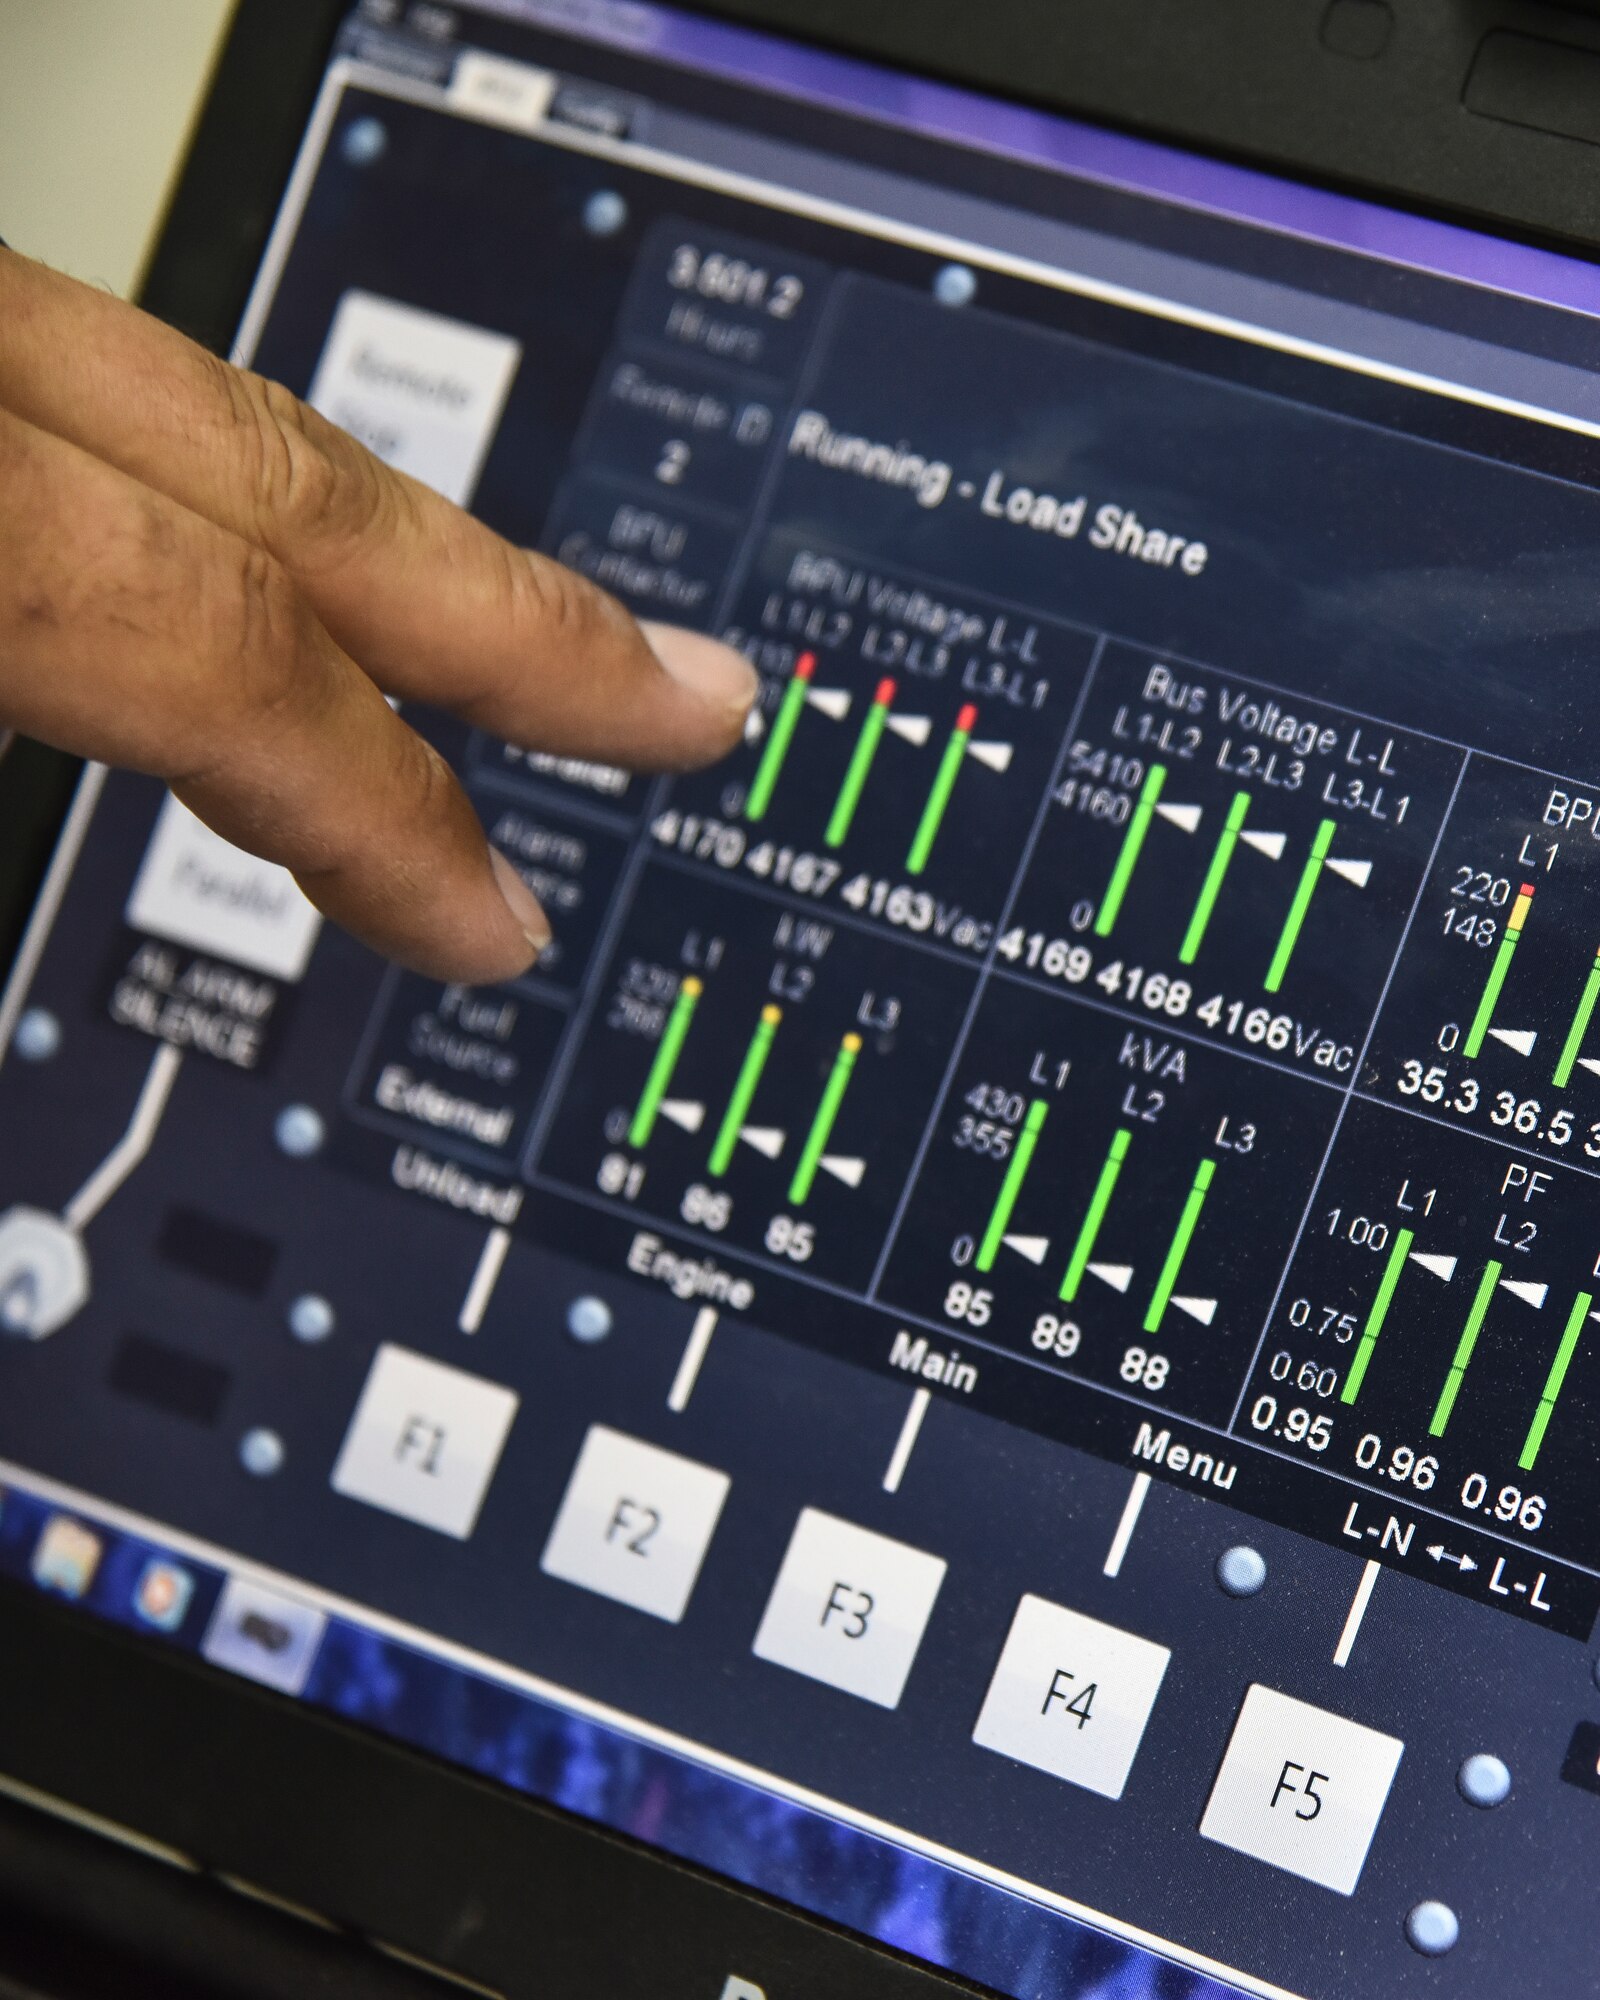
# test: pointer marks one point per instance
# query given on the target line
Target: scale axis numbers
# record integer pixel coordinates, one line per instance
(1234, 862)
(1438, 1333)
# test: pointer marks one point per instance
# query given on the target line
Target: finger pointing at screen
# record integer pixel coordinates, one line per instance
(205, 580)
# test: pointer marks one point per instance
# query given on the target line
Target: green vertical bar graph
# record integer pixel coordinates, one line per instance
(1099, 1202)
(855, 777)
(1211, 887)
(1011, 1186)
(822, 1125)
(1294, 923)
(784, 723)
(1555, 1379)
(744, 1089)
(1573, 1045)
(668, 1049)
(1379, 1313)
(1178, 1249)
(1497, 972)
(1128, 853)
(1464, 1347)
(944, 783)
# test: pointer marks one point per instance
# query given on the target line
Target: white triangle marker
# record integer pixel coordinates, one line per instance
(1358, 873)
(1034, 1248)
(1590, 1063)
(765, 1138)
(997, 756)
(914, 728)
(843, 1168)
(1519, 1288)
(834, 702)
(1118, 1276)
(1204, 1310)
(1269, 844)
(754, 727)
(1438, 1267)
(1185, 817)
(683, 1111)
(1520, 1039)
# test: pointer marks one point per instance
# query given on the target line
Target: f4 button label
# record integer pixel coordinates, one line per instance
(1071, 1696)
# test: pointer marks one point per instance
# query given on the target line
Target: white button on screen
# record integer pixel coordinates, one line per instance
(196, 888)
(1071, 1696)
(1302, 1789)
(422, 392)
(849, 1608)
(635, 1523)
(424, 1441)
(504, 93)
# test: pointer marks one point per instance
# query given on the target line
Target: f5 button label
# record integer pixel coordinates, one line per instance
(1302, 1789)
(849, 1608)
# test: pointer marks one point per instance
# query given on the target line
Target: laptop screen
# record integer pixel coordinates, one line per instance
(1000, 1342)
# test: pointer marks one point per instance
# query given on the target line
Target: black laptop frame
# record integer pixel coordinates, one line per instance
(226, 1779)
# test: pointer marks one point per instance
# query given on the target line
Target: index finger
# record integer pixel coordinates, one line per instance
(138, 633)
(431, 603)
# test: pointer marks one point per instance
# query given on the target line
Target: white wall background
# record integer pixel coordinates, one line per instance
(96, 101)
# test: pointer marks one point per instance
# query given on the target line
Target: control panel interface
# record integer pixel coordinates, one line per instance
(1002, 1340)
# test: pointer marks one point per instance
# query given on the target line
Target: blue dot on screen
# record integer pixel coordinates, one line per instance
(1432, 1928)
(1241, 1571)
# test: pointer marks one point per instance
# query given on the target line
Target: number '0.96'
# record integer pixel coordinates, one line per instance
(1510, 1504)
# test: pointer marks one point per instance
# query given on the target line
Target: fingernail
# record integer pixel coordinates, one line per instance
(716, 673)
(520, 901)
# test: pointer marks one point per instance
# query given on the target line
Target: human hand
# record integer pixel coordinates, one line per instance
(203, 579)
